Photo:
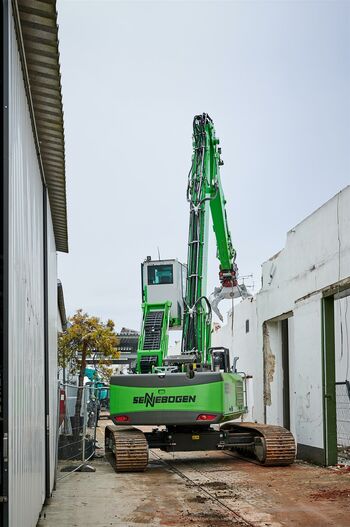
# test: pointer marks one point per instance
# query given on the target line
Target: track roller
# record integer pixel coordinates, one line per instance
(126, 448)
(272, 445)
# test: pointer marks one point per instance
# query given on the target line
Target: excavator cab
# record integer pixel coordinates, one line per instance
(164, 281)
(162, 294)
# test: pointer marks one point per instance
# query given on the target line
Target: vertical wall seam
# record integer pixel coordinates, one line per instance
(46, 349)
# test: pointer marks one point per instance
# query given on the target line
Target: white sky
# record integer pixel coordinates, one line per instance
(275, 78)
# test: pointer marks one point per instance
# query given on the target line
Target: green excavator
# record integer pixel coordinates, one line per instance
(193, 399)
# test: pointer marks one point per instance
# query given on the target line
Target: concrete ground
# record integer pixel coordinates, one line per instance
(207, 489)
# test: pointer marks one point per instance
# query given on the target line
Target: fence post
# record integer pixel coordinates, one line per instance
(85, 422)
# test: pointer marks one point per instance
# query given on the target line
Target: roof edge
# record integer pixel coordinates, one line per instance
(37, 35)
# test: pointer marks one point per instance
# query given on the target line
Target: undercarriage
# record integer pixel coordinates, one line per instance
(127, 447)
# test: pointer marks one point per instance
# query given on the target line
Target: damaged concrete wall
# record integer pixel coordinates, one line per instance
(269, 364)
(315, 257)
(244, 345)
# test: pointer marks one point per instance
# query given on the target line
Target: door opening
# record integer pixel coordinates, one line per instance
(329, 397)
(285, 368)
(342, 374)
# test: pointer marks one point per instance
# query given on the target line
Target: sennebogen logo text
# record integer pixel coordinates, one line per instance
(149, 399)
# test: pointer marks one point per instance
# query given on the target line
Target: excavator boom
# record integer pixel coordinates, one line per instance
(206, 197)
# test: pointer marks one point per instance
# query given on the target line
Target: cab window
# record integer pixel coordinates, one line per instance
(160, 274)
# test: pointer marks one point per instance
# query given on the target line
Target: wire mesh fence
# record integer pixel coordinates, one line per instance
(343, 418)
(78, 419)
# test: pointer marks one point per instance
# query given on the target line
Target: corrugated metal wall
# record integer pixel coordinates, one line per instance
(26, 402)
(52, 329)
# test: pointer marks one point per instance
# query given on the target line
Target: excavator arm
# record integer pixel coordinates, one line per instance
(225, 251)
(206, 197)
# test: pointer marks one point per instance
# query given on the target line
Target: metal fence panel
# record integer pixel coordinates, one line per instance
(77, 434)
(343, 417)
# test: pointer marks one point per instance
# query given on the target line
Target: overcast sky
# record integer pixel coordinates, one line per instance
(275, 78)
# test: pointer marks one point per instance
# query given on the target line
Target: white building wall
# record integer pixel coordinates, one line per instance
(316, 255)
(244, 345)
(26, 311)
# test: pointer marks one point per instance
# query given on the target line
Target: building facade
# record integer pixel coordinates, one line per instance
(34, 228)
(292, 338)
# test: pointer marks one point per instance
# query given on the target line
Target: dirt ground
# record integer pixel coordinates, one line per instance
(207, 489)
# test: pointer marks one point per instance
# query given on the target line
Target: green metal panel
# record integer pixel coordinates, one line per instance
(204, 397)
(329, 395)
(214, 397)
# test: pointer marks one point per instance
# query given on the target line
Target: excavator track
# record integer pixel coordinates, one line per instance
(273, 445)
(126, 448)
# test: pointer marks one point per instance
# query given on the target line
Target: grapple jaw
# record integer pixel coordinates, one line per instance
(227, 292)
